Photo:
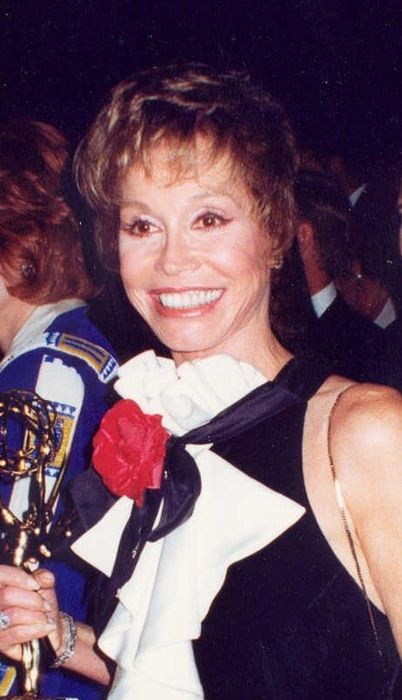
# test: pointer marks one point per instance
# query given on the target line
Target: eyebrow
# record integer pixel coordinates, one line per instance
(133, 203)
(196, 196)
(214, 193)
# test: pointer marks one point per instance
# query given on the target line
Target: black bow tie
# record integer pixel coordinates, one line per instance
(181, 484)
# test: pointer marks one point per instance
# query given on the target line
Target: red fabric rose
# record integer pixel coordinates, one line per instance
(129, 449)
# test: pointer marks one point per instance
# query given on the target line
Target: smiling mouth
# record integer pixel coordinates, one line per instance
(189, 299)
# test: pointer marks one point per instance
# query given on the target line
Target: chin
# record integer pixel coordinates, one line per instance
(191, 347)
(190, 336)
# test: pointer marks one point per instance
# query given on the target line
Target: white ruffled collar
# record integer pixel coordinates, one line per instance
(189, 395)
(162, 606)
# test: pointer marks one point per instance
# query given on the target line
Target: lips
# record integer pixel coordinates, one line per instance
(186, 300)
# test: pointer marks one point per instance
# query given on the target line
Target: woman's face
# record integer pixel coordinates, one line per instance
(194, 261)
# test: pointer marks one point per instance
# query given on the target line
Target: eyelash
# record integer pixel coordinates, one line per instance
(219, 220)
(216, 220)
(130, 228)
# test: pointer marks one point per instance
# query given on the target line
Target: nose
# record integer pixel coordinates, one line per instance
(177, 254)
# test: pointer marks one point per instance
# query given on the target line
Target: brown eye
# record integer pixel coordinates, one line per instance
(209, 220)
(140, 227)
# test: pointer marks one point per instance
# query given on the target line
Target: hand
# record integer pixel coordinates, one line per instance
(29, 603)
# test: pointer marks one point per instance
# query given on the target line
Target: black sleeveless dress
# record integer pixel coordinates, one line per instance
(290, 622)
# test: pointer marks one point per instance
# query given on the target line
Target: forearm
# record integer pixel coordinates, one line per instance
(85, 660)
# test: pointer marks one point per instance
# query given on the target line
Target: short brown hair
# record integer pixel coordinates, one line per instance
(177, 104)
(41, 254)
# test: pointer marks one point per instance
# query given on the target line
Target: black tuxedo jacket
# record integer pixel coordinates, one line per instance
(355, 346)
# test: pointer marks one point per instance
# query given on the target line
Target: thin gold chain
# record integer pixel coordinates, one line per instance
(348, 529)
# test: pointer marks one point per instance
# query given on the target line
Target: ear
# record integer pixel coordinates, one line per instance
(305, 237)
(336, 165)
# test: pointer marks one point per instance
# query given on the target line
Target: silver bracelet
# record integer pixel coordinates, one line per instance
(69, 637)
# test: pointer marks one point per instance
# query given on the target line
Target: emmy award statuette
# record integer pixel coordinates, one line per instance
(27, 421)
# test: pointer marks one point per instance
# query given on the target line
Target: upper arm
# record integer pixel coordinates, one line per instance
(366, 446)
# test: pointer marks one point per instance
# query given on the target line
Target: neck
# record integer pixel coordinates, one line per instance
(262, 350)
(13, 315)
(316, 277)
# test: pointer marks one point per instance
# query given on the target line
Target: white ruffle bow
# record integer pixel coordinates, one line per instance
(162, 606)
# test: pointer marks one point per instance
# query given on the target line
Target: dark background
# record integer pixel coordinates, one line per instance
(336, 64)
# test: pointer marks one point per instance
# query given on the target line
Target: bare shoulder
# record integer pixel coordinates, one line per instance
(360, 425)
(367, 414)
(359, 428)
(365, 434)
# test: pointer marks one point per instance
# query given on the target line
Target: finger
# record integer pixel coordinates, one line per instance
(19, 634)
(44, 578)
(47, 591)
(50, 603)
(13, 576)
(14, 653)
(10, 597)
(21, 616)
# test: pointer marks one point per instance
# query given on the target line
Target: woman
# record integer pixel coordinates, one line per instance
(239, 542)
(48, 344)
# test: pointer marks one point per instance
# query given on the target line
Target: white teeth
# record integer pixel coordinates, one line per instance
(189, 300)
